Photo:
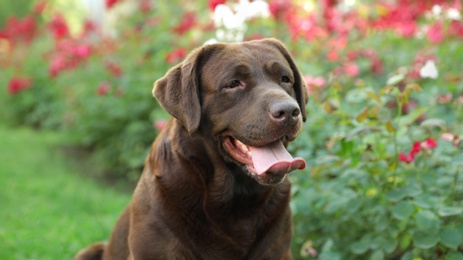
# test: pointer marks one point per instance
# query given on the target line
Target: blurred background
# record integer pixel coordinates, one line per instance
(382, 140)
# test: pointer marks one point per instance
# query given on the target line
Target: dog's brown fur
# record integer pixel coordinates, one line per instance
(193, 200)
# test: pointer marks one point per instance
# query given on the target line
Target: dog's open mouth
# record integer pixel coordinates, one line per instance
(270, 158)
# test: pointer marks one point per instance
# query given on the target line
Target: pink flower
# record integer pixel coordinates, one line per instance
(451, 137)
(145, 6)
(82, 50)
(444, 98)
(103, 88)
(314, 83)
(17, 84)
(59, 27)
(58, 63)
(435, 33)
(39, 7)
(160, 124)
(176, 55)
(407, 29)
(351, 69)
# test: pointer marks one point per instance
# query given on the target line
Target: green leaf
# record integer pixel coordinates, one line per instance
(454, 256)
(426, 220)
(433, 123)
(460, 228)
(425, 240)
(425, 200)
(405, 241)
(413, 189)
(377, 255)
(390, 127)
(389, 245)
(450, 211)
(373, 95)
(362, 115)
(396, 195)
(403, 210)
(395, 79)
(360, 246)
(413, 116)
(451, 237)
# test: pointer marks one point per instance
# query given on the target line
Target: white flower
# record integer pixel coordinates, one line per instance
(436, 10)
(429, 70)
(224, 16)
(231, 22)
(453, 14)
(211, 41)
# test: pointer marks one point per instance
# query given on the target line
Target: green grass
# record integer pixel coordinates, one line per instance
(48, 208)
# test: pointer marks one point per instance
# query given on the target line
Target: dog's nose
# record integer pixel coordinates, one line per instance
(285, 113)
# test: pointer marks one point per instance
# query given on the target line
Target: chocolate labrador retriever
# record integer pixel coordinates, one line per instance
(214, 184)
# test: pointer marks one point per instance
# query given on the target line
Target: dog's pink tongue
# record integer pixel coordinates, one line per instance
(275, 158)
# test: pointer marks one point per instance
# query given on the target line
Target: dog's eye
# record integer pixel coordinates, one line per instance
(285, 79)
(234, 83)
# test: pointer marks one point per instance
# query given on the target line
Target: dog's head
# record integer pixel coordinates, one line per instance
(248, 97)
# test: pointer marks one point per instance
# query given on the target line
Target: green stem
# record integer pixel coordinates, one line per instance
(454, 186)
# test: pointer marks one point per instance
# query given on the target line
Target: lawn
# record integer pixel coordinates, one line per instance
(49, 209)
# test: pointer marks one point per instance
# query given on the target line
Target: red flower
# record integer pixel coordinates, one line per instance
(59, 27)
(406, 158)
(103, 88)
(89, 27)
(67, 55)
(416, 148)
(429, 143)
(176, 55)
(280, 8)
(188, 21)
(110, 3)
(456, 28)
(18, 84)
(114, 69)
(435, 33)
(212, 4)
(19, 29)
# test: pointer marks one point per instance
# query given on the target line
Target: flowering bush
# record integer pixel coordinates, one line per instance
(383, 135)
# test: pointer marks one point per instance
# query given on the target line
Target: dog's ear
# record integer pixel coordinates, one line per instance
(300, 88)
(178, 92)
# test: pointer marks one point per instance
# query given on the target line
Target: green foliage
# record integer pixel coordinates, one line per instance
(382, 141)
(48, 210)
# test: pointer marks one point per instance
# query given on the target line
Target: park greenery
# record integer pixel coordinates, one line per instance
(385, 116)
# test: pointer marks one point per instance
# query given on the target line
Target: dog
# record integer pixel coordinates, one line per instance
(214, 184)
